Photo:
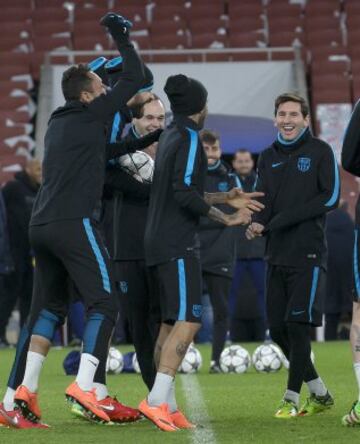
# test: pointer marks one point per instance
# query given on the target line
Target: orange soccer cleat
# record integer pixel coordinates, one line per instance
(159, 415)
(88, 402)
(27, 403)
(180, 420)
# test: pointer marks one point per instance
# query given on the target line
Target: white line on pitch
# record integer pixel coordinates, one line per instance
(196, 410)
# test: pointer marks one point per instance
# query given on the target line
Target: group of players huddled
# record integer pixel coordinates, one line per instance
(116, 239)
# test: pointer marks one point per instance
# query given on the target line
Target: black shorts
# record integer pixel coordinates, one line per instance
(295, 295)
(72, 249)
(356, 265)
(177, 286)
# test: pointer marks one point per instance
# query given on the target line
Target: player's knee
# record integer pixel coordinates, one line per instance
(46, 324)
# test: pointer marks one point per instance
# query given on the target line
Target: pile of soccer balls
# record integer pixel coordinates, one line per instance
(267, 358)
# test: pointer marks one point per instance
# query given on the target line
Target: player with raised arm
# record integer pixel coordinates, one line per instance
(171, 241)
(300, 178)
(63, 230)
(350, 158)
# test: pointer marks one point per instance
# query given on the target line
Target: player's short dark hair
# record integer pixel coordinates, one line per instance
(242, 151)
(75, 80)
(209, 136)
(292, 97)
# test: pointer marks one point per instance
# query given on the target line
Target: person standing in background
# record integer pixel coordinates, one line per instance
(217, 246)
(19, 196)
(250, 254)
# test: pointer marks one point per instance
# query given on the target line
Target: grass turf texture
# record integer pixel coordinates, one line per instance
(240, 407)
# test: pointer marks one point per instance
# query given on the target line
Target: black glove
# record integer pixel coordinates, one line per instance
(118, 27)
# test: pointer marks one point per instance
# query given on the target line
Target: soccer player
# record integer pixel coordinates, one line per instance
(131, 201)
(171, 241)
(63, 229)
(350, 158)
(217, 246)
(250, 254)
(300, 177)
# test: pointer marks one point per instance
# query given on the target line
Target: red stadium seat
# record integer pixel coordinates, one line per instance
(203, 11)
(326, 52)
(329, 67)
(322, 7)
(168, 26)
(50, 28)
(14, 103)
(18, 117)
(283, 10)
(169, 12)
(50, 14)
(89, 15)
(40, 4)
(277, 39)
(208, 40)
(17, 29)
(14, 44)
(23, 4)
(352, 7)
(246, 39)
(119, 4)
(252, 8)
(170, 41)
(91, 42)
(207, 25)
(8, 72)
(7, 87)
(285, 24)
(15, 15)
(141, 42)
(333, 96)
(133, 12)
(246, 24)
(320, 37)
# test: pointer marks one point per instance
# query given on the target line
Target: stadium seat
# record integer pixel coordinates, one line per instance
(167, 27)
(325, 52)
(39, 4)
(245, 9)
(7, 87)
(50, 14)
(289, 38)
(90, 42)
(334, 96)
(329, 67)
(51, 28)
(285, 24)
(15, 15)
(246, 24)
(89, 15)
(169, 41)
(322, 7)
(50, 44)
(204, 11)
(321, 37)
(169, 12)
(119, 4)
(16, 117)
(14, 103)
(352, 7)
(246, 39)
(23, 4)
(141, 42)
(207, 25)
(208, 40)
(134, 13)
(16, 29)
(14, 44)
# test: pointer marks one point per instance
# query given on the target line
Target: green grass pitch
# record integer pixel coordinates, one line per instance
(240, 407)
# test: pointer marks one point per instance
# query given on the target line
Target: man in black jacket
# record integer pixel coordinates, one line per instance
(217, 246)
(350, 158)
(250, 257)
(19, 196)
(63, 228)
(171, 240)
(300, 177)
(131, 201)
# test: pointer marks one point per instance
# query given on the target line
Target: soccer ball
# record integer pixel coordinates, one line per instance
(135, 363)
(115, 361)
(192, 361)
(139, 165)
(286, 363)
(235, 359)
(267, 358)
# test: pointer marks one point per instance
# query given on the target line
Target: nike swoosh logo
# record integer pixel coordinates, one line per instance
(108, 407)
(93, 363)
(274, 165)
(295, 313)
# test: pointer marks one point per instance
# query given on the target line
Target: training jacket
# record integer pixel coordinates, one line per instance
(76, 149)
(19, 197)
(246, 249)
(218, 242)
(350, 156)
(301, 184)
(176, 199)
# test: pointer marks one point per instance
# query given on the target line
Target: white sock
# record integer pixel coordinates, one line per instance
(8, 400)
(171, 398)
(101, 391)
(292, 396)
(87, 369)
(357, 374)
(34, 362)
(160, 392)
(317, 387)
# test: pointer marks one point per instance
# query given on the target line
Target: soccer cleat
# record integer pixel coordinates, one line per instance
(13, 418)
(180, 420)
(117, 412)
(215, 368)
(316, 404)
(87, 400)
(78, 411)
(27, 403)
(159, 415)
(352, 419)
(287, 410)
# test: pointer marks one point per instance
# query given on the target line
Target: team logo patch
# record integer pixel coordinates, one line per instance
(223, 187)
(197, 310)
(123, 286)
(304, 164)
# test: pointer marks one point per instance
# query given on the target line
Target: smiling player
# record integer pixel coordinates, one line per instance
(300, 178)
